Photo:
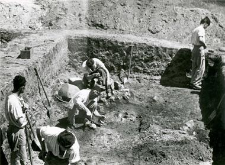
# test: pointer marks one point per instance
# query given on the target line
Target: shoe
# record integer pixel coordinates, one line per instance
(101, 120)
(196, 87)
(90, 125)
(42, 155)
(108, 96)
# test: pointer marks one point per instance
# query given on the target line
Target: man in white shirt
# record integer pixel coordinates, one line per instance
(94, 68)
(198, 53)
(58, 142)
(15, 114)
(86, 101)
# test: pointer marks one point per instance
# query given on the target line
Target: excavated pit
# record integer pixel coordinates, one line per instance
(161, 124)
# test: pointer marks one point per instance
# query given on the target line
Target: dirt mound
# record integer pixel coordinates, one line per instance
(7, 36)
(41, 14)
(20, 15)
(171, 20)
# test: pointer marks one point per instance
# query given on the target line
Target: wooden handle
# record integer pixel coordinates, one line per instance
(42, 86)
(32, 131)
(29, 147)
(131, 54)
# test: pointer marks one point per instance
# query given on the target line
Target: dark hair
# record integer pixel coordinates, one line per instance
(18, 82)
(90, 62)
(205, 20)
(66, 139)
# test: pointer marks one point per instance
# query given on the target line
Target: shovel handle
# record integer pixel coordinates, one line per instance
(131, 55)
(29, 147)
(214, 113)
(42, 86)
(35, 138)
(28, 120)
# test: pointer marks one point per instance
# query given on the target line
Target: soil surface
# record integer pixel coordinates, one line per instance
(168, 19)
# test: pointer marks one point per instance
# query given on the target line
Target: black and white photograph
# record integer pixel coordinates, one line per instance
(112, 82)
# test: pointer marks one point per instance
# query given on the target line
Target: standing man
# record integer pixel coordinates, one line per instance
(86, 101)
(95, 68)
(15, 114)
(198, 53)
(58, 142)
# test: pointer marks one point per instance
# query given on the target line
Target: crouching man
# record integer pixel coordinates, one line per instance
(58, 142)
(86, 101)
(94, 69)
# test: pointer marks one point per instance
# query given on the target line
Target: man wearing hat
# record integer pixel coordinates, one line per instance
(58, 142)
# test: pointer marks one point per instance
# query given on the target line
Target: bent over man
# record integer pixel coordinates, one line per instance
(59, 142)
(198, 53)
(14, 111)
(86, 101)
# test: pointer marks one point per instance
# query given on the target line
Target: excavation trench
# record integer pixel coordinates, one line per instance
(160, 124)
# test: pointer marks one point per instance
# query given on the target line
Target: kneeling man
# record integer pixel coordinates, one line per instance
(59, 142)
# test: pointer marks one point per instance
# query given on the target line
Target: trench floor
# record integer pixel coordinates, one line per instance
(158, 125)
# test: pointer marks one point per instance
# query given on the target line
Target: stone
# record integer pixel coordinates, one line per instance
(81, 162)
(188, 125)
(222, 49)
(67, 91)
(76, 81)
(158, 99)
(26, 53)
(223, 59)
(91, 162)
(117, 85)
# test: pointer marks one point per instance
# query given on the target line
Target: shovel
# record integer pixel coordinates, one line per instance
(29, 147)
(131, 55)
(35, 142)
(48, 113)
(214, 113)
(123, 76)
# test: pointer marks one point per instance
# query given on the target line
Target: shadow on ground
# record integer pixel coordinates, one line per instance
(175, 73)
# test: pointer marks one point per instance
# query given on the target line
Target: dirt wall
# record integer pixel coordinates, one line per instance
(213, 90)
(171, 20)
(170, 63)
(48, 59)
(212, 104)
